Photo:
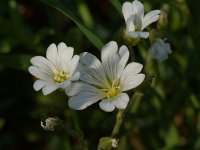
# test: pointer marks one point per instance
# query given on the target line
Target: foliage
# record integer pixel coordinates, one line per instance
(166, 117)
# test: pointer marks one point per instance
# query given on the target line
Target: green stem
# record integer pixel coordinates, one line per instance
(121, 113)
(119, 120)
(78, 130)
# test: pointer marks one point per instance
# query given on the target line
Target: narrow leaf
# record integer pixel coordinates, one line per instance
(90, 35)
(117, 5)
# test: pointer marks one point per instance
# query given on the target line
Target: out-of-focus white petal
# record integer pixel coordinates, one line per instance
(150, 18)
(139, 34)
(75, 88)
(160, 50)
(49, 89)
(65, 85)
(129, 24)
(75, 76)
(127, 10)
(144, 35)
(121, 101)
(39, 84)
(138, 8)
(83, 100)
(107, 105)
(134, 34)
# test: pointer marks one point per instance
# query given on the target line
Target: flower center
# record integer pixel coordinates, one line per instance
(60, 76)
(113, 91)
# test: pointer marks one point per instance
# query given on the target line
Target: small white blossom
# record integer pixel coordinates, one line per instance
(57, 70)
(160, 50)
(105, 80)
(135, 19)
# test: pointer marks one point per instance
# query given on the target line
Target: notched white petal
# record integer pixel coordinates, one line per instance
(107, 105)
(109, 50)
(39, 84)
(127, 10)
(49, 89)
(121, 101)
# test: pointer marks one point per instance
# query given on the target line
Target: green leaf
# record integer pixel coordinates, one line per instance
(117, 5)
(20, 62)
(90, 35)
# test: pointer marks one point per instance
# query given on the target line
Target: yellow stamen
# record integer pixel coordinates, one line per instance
(113, 91)
(60, 76)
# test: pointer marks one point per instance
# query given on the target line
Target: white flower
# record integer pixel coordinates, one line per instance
(55, 71)
(105, 80)
(135, 19)
(160, 50)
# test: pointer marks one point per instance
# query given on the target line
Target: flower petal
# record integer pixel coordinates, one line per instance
(144, 34)
(134, 34)
(39, 84)
(49, 89)
(74, 64)
(121, 101)
(109, 50)
(150, 18)
(65, 85)
(139, 34)
(52, 53)
(83, 100)
(130, 79)
(107, 105)
(129, 24)
(75, 76)
(42, 62)
(127, 10)
(124, 56)
(138, 8)
(92, 70)
(38, 73)
(77, 87)
(65, 56)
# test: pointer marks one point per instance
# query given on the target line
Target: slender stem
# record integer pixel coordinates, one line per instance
(121, 113)
(119, 120)
(78, 130)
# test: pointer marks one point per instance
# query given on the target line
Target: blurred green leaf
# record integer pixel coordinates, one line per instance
(117, 5)
(89, 34)
(20, 62)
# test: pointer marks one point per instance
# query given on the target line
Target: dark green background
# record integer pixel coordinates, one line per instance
(167, 116)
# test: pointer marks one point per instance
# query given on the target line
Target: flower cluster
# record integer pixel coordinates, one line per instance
(104, 80)
(86, 79)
